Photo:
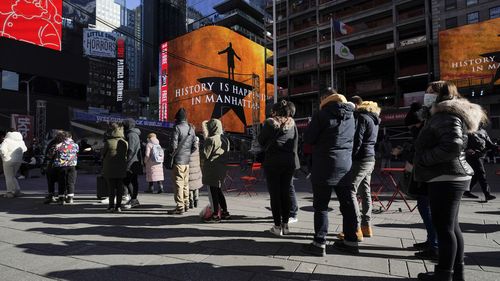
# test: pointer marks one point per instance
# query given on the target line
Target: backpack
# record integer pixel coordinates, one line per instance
(157, 153)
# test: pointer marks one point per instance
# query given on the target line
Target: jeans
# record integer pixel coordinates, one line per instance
(424, 209)
(66, 181)
(181, 183)
(51, 175)
(115, 190)
(444, 198)
(362, 175)
(218, 200)
(322, 194)
(477, 165)
(10, 171)
(194, 195)
(294, 208)
(132, 184)
(278, 183)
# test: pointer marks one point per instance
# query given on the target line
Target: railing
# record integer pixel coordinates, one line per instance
(301, 5)
(304, 65)
(242, 14)
(361, 8)
(412, 70)
(411, 14)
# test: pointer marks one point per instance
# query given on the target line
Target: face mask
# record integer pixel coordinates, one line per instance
(429, 99)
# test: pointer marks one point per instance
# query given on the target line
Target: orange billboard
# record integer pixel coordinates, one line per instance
(470, 54)
(214, 72)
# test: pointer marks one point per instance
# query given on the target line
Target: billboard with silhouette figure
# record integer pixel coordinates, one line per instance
(36, 22)
(470, 55)
(211, 73)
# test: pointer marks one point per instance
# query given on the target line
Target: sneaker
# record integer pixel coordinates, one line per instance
(126, 198)
(359, 235)
(367, 231)
(276, 230)
(468, 194)
(489, 197)
(104, 201)
(118, 210)
(160, 191)
(21, 177)
(134, 203)
(427, 254)
(225, 216)
(50, 200)
(69, 200)
(284, 229)
(110, 209)
(314, 250)
(212, 219)
(9, 195)
(421, 246)
(293, 220)
(341, 246)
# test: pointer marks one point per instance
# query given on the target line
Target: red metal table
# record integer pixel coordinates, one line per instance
(389, 172)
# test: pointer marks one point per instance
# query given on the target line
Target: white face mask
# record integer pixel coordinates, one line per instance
(429, 99)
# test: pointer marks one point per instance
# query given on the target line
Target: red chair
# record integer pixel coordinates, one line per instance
(389, 173)
(252, 179)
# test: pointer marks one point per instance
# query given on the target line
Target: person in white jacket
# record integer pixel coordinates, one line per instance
(11, 150)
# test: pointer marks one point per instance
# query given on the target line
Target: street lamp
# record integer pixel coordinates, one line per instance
(27, 82)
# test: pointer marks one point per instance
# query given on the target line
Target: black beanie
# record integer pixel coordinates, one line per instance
(180, 115)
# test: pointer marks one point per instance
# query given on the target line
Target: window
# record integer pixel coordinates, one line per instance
(495, 12)
(472, 17)
(451, 22)
(470, 2)
(450, 4)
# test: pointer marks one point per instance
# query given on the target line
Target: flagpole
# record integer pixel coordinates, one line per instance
(332, 53)
(275, 55)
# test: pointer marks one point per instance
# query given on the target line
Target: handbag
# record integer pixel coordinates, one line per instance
(169, 158)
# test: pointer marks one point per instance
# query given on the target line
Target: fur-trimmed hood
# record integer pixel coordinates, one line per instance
(334, 98)
(212, 127)
(371, 109)
(472, 114)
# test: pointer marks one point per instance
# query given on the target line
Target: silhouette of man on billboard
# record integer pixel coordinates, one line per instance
(230, 60)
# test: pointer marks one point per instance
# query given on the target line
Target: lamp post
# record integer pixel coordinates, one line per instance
(27, 82)
(275, 54)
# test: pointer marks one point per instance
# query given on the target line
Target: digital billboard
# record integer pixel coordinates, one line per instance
(99, 43)
(36, 22)
(214, 72)
(471, 54)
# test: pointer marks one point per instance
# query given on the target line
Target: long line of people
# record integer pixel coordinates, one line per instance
(448, 138)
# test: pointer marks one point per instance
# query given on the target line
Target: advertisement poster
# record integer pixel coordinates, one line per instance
(24, 125)
(163, 102)
(120, 70)
(34, 22)
(211, 73)
(470, 54)
(99, 44)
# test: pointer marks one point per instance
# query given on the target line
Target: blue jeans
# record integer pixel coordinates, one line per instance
(322, 195)
(424, 209)
(294, 208)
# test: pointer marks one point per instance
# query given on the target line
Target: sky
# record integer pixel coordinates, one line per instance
(204, 6)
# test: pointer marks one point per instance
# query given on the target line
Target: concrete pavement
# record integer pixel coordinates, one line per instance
(83, 242)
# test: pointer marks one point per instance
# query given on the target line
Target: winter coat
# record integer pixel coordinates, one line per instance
(480, 143)
(213, 155)
(439, 148)
(195, 177)
(331, 132)
(182, 130)
(134, 150)
(12, 148)
(50, 153)
(280, 138)
(154, 171)
(114, 164)
(365, 137)
(66, 154)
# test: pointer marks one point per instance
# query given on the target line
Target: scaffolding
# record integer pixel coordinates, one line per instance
(255, 147)
(41, 121)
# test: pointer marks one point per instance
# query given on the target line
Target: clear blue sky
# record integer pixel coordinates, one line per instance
(204, 6)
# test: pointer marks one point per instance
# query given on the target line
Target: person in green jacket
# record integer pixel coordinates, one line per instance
(115, 165)
(213, 157)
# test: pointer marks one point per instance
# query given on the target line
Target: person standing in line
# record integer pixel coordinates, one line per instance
(153, 161)
(479, 144)
(181, 147)
(65, 161)
(279, 136)
(440, 162)
(50, 171)
(331, 132)
(134, 165)
(294, 207)
(213, 155)
(114, 166)
(195, 176)
(11, 150)
(363, 152)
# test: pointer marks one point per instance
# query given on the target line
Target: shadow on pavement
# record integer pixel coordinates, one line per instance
(466, 227)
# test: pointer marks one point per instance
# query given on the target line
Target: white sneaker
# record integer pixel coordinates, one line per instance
(104, 201)
(284, 229)
(21, 177)
(276, 230)
(293, 220)
(126, 198)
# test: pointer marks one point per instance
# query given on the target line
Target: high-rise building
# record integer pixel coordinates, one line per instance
(195, 19)
(110, 14)
(390, 41)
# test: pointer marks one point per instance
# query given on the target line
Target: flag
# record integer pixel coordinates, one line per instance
(341, 27)
(342, 51)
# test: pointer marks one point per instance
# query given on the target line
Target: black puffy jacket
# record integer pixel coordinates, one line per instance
(279, 137)
(365, 138)
(331, 133)
(440, 146)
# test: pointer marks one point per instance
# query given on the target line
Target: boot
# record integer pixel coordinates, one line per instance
(359, 235)
(367, 231)
(437, 275)
(458, 272)
(195, 203)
